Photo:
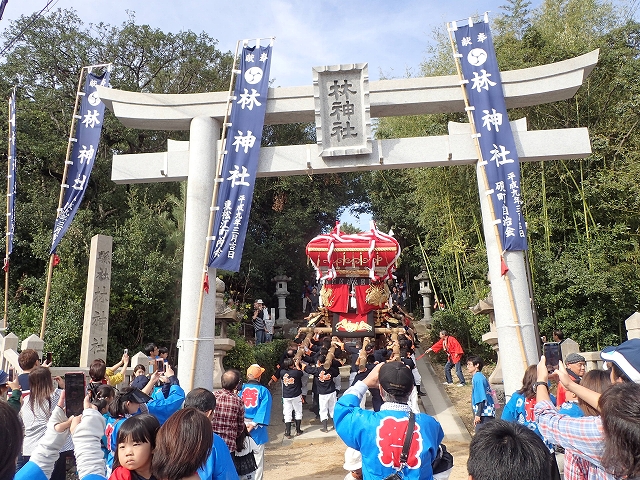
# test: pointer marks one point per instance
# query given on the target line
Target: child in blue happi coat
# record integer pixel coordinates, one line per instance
(481, 400)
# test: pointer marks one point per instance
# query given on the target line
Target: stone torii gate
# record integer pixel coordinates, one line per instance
(194, 161)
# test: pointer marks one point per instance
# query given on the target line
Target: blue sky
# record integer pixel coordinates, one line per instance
(392, 36)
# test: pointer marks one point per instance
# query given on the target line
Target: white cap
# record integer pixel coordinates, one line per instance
(259, 301)
(352, 459)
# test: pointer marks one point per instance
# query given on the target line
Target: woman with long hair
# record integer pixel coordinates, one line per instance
(35, 413)
(520, 407)
(597, 381)
(575, 466)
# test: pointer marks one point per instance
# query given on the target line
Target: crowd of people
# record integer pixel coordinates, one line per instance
(151, 430)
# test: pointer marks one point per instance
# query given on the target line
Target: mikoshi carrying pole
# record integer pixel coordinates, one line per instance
(474, 134)
(11, 190)
(67, 162)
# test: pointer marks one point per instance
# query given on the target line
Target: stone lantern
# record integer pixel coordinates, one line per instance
(222, 344)
(282, 293)
(485, 307)
(425, 292)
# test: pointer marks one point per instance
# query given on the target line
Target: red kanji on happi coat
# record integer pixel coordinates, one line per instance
(250, 397)
(390, 440)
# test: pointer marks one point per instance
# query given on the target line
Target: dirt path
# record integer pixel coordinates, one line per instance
(318, 457)
(323, 460)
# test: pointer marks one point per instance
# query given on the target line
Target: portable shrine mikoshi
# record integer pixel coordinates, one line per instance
(354, 269)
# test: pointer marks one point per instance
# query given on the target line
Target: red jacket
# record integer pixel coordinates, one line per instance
(450, 345)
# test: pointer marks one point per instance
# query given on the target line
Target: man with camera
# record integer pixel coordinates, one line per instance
(260, 314)
(380, 436)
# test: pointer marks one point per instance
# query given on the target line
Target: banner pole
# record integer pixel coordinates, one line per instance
(212, 214)
(60, 199)
(6, 250)
(476, 143)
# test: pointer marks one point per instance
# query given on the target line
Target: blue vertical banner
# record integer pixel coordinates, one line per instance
(11, 179)
(240, 163)
(499, 156)
(85, 147)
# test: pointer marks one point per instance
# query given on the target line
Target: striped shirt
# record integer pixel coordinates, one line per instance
(35, 422)
(258, 322)
(584, 437)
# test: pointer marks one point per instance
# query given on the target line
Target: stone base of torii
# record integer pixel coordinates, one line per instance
(195, 160)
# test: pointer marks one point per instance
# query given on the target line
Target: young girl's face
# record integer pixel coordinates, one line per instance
(134, 455)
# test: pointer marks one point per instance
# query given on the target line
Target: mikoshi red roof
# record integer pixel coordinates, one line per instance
(370, 254)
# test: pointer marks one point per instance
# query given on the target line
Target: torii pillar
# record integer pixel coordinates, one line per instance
(202, 114)
(204, 132)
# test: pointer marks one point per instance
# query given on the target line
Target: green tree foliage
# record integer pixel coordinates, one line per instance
(244, 354)
(582, 215)
(146, 221)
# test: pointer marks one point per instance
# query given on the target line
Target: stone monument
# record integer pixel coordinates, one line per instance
(95, 329)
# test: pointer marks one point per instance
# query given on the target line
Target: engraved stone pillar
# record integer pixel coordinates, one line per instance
(34, 342)
(96, 305)
(282, 293)
(425, 292)
(633, 326)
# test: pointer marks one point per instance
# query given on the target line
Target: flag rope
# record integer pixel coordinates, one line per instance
(212, 213)
(451, 27)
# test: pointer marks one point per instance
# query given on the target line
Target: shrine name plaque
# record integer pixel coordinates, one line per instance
(343, 121)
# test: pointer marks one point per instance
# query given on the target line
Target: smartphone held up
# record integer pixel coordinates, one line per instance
(552, 354)
(74, 387)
